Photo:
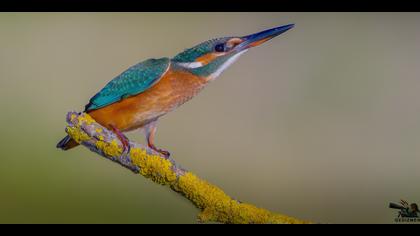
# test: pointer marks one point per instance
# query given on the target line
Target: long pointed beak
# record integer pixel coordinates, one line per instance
(261, 37)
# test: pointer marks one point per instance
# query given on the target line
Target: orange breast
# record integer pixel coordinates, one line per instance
(172, 90)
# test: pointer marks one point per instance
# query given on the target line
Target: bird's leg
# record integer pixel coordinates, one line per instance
(123, 139)
(150, 131)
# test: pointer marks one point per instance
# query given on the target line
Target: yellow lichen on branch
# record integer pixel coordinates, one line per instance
(219, 207)
(154, 167)
(214, 203)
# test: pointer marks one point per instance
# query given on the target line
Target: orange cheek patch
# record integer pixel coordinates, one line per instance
(207, 58)
(235, 41)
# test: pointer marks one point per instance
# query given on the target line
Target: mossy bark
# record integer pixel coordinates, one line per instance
(215, 205)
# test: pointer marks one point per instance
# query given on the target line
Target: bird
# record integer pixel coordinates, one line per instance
(143, 93)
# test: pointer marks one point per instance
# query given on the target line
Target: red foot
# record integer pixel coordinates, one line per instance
(165, 153)
(124, 140)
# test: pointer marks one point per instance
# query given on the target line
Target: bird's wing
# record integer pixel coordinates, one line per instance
(134, 80)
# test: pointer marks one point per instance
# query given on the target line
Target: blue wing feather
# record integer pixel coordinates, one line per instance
(134, 80)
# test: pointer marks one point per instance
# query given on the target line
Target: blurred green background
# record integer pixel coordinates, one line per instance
(321, 123)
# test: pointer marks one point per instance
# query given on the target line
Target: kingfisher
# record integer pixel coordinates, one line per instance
(139, 96)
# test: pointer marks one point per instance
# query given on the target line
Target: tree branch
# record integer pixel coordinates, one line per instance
(214, 204)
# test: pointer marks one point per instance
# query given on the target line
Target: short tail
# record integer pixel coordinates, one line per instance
(67, 143)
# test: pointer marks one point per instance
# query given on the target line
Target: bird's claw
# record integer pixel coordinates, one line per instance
(165, 153)
(124, 141)
(126, 150)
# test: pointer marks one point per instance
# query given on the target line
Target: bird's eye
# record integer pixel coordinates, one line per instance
(219, 47)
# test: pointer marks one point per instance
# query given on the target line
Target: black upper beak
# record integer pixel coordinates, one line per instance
(261, 37)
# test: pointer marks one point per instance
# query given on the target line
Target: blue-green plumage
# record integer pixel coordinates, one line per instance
(191, 54)
(134, 80)
(189, 71)
(142, 76)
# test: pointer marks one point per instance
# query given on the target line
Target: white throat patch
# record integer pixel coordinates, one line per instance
(191, 65)
(225, 65)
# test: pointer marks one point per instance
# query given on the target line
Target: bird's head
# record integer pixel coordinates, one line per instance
(209, 59)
